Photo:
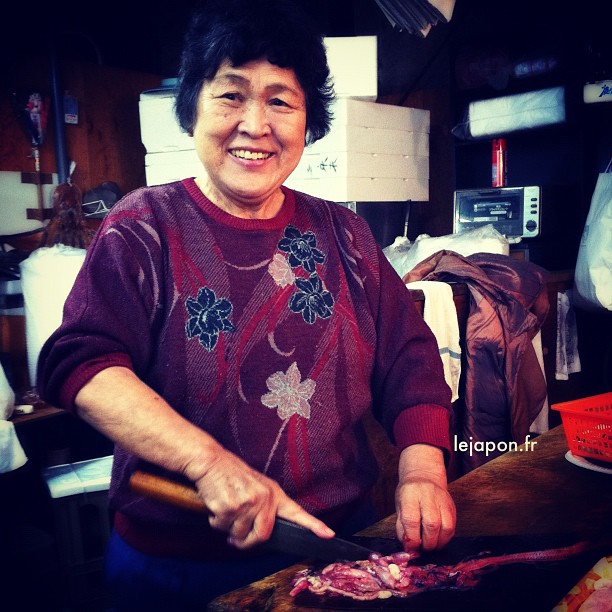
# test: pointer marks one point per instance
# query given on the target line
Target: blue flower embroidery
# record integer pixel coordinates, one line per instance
(301, 248)
(312, 300)
(209, 317)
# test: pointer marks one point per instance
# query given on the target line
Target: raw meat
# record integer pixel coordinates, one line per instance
(381, 577)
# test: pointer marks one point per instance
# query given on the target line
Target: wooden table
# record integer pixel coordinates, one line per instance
(40, 413)
(524, 492)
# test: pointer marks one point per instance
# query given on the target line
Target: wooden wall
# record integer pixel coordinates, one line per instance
(106, 142)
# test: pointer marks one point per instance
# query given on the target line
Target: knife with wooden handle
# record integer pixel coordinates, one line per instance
(286, 536)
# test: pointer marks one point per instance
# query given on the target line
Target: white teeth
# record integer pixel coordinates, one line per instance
(243, 154)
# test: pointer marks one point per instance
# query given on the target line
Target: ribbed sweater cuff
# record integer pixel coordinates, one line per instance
(423, 424)
(85, 372)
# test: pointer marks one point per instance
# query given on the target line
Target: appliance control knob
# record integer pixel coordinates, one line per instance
(531, 225)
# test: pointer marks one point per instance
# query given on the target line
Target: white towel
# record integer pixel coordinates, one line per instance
(440, 314)
(12, 455)
(540, 423)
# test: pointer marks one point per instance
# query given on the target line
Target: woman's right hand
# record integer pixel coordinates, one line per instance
(244, 503)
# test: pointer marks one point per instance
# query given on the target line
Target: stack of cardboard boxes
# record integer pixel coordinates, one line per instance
(373, 152)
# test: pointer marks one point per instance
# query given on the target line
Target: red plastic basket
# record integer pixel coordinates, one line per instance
(588, 426)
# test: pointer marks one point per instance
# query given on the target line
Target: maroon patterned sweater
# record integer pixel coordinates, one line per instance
(275, 336)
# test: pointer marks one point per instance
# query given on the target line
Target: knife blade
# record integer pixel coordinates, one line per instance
(287, 537)
(294, 539)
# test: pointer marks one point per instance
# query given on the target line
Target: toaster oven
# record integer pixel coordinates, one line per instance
(513, 211)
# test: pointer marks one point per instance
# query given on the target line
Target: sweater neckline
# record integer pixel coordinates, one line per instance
(277, 222)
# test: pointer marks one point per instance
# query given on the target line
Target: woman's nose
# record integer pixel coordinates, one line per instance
(255, 119)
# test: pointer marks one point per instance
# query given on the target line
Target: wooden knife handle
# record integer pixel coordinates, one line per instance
(167, 491)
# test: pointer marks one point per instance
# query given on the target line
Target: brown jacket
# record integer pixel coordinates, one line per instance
(503, 388)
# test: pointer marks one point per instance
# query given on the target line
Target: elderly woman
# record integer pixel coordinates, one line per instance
(232, 333)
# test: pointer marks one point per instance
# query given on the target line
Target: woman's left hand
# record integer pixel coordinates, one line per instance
(426, 514)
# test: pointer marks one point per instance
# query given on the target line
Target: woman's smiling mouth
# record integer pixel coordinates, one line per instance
(245, 154)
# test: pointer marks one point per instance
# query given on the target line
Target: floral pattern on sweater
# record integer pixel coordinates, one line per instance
(301, 248)
(312, 299)
(209, 317)
(288, 393)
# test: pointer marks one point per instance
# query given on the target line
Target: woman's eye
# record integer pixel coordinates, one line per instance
(278, 102)
(230, 95)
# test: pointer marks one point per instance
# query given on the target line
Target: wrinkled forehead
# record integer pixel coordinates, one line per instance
(259, 73)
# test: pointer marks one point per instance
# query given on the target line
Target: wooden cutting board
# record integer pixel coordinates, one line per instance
(529, 493)
(523, 587)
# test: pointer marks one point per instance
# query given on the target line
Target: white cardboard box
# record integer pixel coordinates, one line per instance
(369, 127)
(344, 164)
(353, 65)
(377, 115)
(361, 189)
(171, 166)
(359, 139)
(159, 128)
(373, 152)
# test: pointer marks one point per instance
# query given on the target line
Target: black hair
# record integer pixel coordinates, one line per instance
(240, 31)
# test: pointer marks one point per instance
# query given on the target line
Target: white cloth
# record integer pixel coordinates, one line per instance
(540, 423)
(12, 455)
(567, 359)
(440, 314)
(7, 396)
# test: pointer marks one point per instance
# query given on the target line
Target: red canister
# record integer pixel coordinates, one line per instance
(499, 171)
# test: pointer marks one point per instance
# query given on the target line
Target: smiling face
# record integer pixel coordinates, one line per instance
(249, 135)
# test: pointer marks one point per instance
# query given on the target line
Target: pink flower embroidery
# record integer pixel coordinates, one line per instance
(288, 394)
(281, 271)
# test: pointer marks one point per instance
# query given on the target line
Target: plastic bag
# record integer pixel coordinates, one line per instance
(404, 255)
(593, 275)
(495, 116)
(47, 276)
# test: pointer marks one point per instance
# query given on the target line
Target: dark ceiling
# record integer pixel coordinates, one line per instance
(133, 34)
(146, 36)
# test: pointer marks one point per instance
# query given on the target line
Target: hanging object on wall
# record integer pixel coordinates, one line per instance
(32, 111)
(417, 16)
(68, 225)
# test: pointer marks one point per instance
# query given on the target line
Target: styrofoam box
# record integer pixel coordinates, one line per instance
(353, 65)
(362, 189)
(172, 166)
(359, 139)
(159, 128)
(344, 164)
(378, 115)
